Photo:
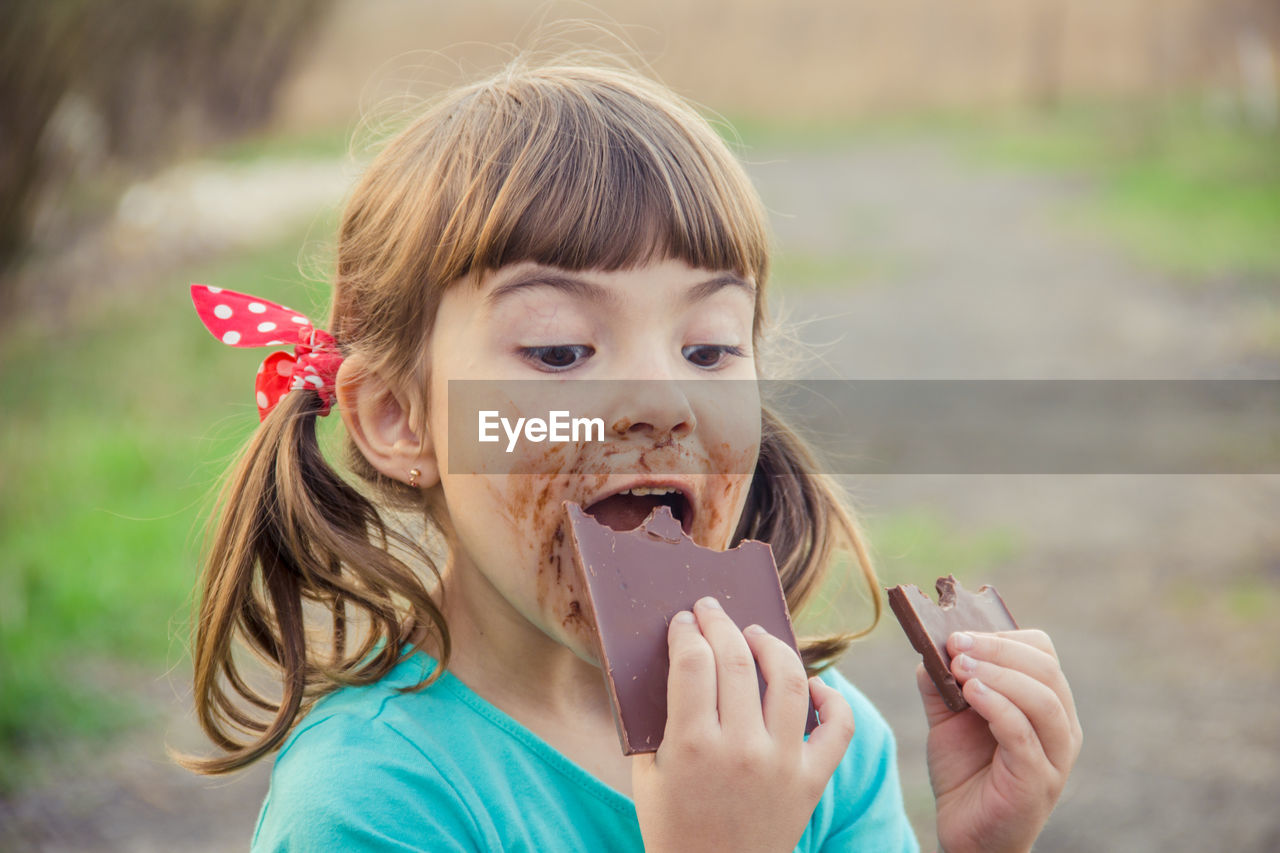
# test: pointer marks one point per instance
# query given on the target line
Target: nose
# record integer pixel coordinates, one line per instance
(654, 408)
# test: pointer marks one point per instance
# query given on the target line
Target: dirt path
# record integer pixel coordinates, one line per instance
(969, 279)
(1161, 592)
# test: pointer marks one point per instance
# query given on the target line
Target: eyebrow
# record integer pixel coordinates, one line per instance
(704, 289)
(571, 285)
(593, 292)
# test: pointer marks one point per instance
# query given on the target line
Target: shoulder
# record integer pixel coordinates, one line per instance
(348, 778)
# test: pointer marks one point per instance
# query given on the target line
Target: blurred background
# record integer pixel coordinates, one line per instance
(994, 189)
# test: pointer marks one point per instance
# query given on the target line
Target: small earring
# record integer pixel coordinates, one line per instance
(414, 474)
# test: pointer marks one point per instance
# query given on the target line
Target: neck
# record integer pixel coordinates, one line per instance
(510, 661)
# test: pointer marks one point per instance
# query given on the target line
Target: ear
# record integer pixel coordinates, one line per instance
(382, 422)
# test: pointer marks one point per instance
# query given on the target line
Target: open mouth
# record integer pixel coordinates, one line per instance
(627, 509)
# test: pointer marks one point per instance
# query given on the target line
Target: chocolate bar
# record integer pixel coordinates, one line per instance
(637, 580)
(928, 625)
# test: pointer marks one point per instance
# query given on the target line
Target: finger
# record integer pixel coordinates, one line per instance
(1038, 704)
(1030, 645)
(691, 681)
(737, 684)
(935, 708)
(1032, 637)
(1030, 652)
(786, 695)
(1018, 743)
(830, 740)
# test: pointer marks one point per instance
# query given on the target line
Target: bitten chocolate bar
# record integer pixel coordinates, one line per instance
(637, 580)
(928, 625)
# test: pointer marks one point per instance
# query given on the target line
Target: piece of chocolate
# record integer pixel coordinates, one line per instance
(928, 625)
(637, 580)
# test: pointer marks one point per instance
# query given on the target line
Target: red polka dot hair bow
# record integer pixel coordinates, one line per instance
(240, 320)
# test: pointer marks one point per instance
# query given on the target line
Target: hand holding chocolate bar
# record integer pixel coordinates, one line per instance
(929, 625)
(1003, 730)
(730, 774)
(721, 760)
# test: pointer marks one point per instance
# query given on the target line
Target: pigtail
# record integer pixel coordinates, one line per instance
(802, 516)
(294, 537)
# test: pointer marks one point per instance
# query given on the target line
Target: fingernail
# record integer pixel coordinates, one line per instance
(709, 601)
(753, 629)
(976, 685)
(684, 617)
(962, 641)
(966, 664)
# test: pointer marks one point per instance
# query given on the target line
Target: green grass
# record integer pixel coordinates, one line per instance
(919, 545)
(1244, 599)
(796, 271)
(909, 546)
(1194, 195)
(319, 144)
(115, 431)
(748, 134)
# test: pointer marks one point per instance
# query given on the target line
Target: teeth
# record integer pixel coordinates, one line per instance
(651, 490)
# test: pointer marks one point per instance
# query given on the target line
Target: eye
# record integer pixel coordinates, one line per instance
(557, 357)
(710, 355)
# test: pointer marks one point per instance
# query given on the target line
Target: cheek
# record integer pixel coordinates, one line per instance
(539, 566)
(726, 494)
(732, 447)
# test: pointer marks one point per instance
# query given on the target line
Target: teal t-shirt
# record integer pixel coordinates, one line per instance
(442, 769)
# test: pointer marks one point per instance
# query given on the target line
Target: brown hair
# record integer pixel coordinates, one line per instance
(571, 165)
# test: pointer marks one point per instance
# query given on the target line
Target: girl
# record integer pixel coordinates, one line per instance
(560, 222)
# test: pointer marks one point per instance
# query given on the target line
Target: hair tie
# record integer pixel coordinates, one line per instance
(240, 320)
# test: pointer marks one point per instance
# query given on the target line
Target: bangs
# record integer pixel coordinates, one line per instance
(576, 167)
(581, 171)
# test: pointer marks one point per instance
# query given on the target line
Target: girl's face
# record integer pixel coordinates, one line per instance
(678, 329)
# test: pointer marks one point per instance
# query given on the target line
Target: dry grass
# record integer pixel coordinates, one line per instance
(798, 59)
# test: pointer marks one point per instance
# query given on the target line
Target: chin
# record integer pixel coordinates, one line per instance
(586, 654)
(576, 631)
